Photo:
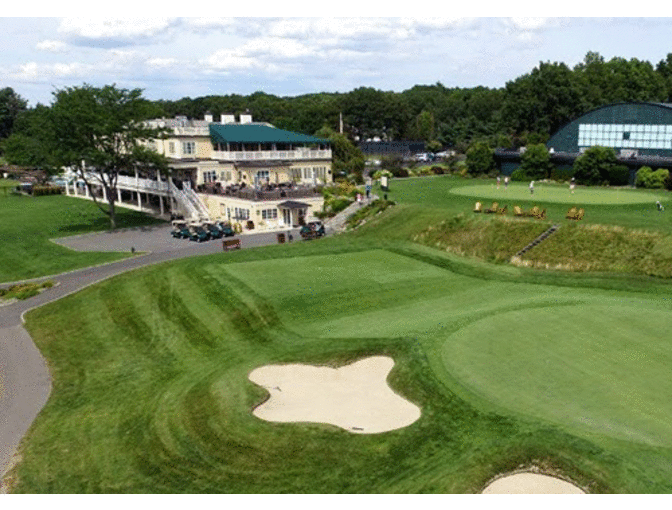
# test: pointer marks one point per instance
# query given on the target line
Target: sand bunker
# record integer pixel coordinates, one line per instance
(531, 483)
(355, 397)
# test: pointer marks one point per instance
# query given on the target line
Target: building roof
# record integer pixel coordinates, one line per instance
(257, 133)
(293, 204)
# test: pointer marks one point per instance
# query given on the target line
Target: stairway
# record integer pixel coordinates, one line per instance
(190, 205)
(537, 241)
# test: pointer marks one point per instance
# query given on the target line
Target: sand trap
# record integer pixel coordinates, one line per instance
(531, 483)
(355, 397)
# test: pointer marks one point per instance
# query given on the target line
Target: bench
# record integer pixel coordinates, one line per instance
(231, 244)
(309, 235)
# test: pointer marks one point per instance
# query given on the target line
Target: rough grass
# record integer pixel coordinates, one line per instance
(28, 224)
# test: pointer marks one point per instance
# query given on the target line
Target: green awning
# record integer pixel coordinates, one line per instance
(258, 133)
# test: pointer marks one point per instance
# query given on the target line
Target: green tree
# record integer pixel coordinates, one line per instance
(32, 143)
(99, 132)
(347, 157)
(543, 100)
(11, 105)
(535, 162)
(595, 165)
(480, 158)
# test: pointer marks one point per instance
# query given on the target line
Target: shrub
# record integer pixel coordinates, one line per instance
(399, 172)
(46, 190)
(519, 175)
(658, 178)
(562, 174)
(643, 175)
(647, 178)
(668, 183)
(619, 175)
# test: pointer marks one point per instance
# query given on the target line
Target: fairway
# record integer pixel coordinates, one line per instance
(559, 194)
(151, 377)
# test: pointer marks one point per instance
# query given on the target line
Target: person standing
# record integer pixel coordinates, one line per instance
(359, 199)
(532, 188)
(498, 181)
(572, 184)
(506, 182)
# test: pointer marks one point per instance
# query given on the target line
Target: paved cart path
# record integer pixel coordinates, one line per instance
(25, 382)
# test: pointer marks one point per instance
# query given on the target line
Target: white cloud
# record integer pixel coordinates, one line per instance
(51, 46)
(161, 63)
(528, 23)
(230, 60)
(210, 23)
(119, 29)
(32, 71)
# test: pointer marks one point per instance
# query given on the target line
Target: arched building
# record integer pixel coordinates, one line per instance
(640, 133)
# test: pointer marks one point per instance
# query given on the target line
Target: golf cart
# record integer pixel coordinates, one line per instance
(198, 233)
(180, 230)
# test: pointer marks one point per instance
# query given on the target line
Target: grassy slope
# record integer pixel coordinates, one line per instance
(150, 391)
(28, 223)
(633, 239)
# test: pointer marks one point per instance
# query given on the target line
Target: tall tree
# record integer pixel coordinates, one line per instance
(480, 158)
(32, 143)
(100, 133)
(11, 105)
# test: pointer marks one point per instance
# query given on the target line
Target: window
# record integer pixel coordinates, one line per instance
(209, 176)
(241, 214)
(171, 147)
(269, 214)
(188, 148)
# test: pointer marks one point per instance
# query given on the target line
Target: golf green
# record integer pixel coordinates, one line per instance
(603, 365)
(558, 194)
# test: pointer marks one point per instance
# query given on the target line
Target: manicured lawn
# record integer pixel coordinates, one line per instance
(582, 196)
(28, 223)
(606, 206)
(151, 393)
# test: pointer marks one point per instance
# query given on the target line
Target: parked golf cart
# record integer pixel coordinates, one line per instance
(198, 233)
(312, 230)
(180, 230)
(227, 230)
(214, 231)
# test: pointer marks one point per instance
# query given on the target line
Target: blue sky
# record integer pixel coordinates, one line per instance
(175, 57)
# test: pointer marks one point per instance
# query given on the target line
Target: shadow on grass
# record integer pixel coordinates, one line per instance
(102, 224)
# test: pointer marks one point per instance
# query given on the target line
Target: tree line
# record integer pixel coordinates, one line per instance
(533, 105)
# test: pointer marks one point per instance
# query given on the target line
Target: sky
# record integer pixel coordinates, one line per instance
(174, 57)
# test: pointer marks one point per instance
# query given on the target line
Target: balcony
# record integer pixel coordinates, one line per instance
(278, 192)
(295, 154)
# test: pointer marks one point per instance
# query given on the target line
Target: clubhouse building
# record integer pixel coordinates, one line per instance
(234, 170)
(640, 133)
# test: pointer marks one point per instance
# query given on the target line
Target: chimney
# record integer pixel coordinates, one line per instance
(208, 117)
(228, 119)
(245, 118)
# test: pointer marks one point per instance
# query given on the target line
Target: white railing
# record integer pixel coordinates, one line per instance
(191, 131)
(196, 202)
(270, 155)
(189, 208)
(140, 184)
